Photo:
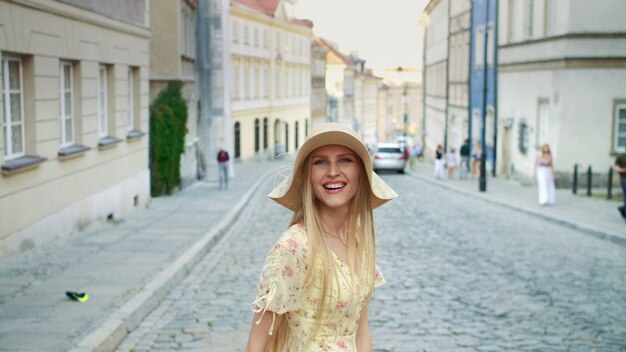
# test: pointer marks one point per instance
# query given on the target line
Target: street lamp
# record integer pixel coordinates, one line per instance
(482, 183)
(405, 101)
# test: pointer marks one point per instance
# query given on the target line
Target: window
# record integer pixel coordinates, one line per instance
(13, 109)
(235, 32)
(543, 121)
(133, 101)
(257, 135)
(296, 133)
(306, 128)
(550, 17)
(620, 127)
(66, 89)
(479, 50)
(511, 21)
(236, 79)
(102, 102)
(245, 34)
(237, 140)
(529, 18)
(491, 39)
(265, 133)
(187, 30)
(256, 37)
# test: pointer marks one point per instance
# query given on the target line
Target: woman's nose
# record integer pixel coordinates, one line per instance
(333, 169)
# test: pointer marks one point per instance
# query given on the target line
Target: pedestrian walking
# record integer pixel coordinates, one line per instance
(544, 171)
(464, 166)
(319, 277)
(439, 162)
(620, 167)
(476, 159)
(413, 156)
(451, 163)
(419, 152)
(222, 162)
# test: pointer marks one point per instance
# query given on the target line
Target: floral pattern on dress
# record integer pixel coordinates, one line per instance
(281, 291)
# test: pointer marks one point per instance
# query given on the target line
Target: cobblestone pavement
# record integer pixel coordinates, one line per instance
(462, 275)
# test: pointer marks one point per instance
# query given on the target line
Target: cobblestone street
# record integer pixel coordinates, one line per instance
(462, 275)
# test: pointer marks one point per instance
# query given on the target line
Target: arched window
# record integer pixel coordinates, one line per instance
(264, 133)
(237, 140)
(256, 135)
(296, 133)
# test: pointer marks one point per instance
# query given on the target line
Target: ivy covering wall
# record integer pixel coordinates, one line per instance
(168, 126)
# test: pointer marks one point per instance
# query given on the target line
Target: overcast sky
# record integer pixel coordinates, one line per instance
(386, 33)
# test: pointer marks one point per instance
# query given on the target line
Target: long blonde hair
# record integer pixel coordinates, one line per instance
(361, 244)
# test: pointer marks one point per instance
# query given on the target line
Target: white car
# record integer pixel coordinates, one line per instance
(388, 156)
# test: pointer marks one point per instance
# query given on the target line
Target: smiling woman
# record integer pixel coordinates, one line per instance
(319, 277)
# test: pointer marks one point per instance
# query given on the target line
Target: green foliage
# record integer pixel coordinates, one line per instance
(168, 126)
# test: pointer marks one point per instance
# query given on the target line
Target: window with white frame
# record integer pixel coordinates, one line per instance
(550, 16)
(491, 40)
(510, 21)
(102, 102)
(619, 143)
(479, 51)
(66, 92)
(235, 31)
(529, 12)
(245, 34)
(131, 98)
(13, 109)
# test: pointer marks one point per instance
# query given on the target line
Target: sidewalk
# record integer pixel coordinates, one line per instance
(126, 267)
(596, 217)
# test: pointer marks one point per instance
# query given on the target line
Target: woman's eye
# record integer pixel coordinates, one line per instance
(345, 160)
(319, 162)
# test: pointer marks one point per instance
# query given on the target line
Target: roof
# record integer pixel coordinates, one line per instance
(267, 7)
(333, 54)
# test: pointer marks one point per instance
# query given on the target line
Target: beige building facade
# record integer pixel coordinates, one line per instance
(318, 83)
(271, 75)
(173, 58)
(74, 103)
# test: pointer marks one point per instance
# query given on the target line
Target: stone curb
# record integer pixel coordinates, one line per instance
(590, 230)
(113, 330)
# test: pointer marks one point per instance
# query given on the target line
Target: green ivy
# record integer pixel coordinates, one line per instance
(168, 126)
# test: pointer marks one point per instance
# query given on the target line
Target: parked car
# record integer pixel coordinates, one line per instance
(388, 156)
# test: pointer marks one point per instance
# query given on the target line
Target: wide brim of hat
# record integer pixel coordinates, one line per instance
(288, 194)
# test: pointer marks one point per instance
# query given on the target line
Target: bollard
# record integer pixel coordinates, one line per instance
(609, 195)
(575, 182)
(589, 181)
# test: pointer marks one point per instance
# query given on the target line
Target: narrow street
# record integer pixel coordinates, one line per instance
(462, 275)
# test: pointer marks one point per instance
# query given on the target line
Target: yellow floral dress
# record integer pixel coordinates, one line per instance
(280, 291)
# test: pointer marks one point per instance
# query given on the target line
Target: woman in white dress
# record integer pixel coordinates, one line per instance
(544, 171)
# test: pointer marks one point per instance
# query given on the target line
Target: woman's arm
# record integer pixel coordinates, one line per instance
(363, 335)
(259, 333)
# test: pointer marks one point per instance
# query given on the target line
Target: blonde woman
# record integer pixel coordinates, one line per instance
(544, 171)
(319, 277)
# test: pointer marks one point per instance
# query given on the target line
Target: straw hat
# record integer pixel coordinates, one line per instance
(288, 194)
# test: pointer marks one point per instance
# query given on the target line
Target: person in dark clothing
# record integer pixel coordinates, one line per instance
(222, 162)
(620, 167)
(465, 160)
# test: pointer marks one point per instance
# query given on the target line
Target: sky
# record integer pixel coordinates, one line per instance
(386, 33)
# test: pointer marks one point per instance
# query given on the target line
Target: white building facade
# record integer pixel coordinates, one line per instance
(562, 68)
(435, 74)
